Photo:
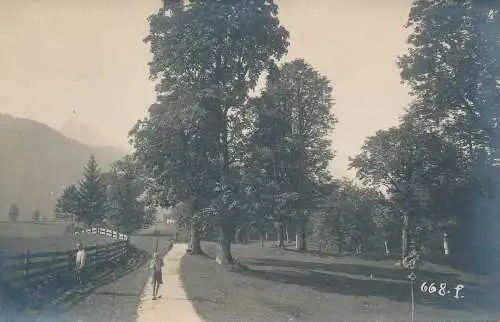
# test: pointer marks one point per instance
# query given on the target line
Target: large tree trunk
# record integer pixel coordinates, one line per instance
(302, 242)
(445, 244)
(246, 236)
(404, 235)
(237, 236)
(225, 235)
(195, 242)
(281, 238)
(242, 235)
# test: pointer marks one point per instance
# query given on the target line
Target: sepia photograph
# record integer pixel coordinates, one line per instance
(249, 160)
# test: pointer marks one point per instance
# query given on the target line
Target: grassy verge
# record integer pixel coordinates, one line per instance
(283, 285)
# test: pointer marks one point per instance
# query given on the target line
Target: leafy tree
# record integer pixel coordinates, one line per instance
(127, 209)
(178, 159)
(14, 212)
(68, 204)
(207, 56)
(453, 71)
(36, 215)
(386, 218)
(294, 121)
(411, 165)
(346, 216)
(92, 201)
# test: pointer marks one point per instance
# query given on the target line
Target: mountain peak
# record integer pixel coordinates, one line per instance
(37, 161)
(77, 130)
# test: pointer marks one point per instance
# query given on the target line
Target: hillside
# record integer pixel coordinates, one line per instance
(76, 130)
(36, 162)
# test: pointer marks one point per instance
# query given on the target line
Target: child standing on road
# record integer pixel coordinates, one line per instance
(155, 266)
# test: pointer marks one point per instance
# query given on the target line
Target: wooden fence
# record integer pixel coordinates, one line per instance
(107, 233)
(30, 268)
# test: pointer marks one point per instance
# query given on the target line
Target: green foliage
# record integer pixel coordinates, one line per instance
(14, 212)
(127, 208)
(437, 165)
(347, 216)
(67, 205)
(416, 168)
(289, 149)
(453, 71)
(92, 201)
(207, 56)
(36, 215)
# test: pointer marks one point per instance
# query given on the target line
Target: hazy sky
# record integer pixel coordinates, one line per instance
(57, 56)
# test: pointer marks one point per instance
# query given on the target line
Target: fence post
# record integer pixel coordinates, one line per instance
(27, 263)
(70, 261)
(96, 251)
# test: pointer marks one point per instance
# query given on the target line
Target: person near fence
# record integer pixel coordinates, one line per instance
(81, 257)
(156, 278)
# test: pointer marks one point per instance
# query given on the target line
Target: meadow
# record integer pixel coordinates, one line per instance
(273, 284)
(17, 237)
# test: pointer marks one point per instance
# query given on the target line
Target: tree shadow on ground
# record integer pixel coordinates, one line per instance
(453, 261)
(396, 274)
(394, 286)
(329, 254)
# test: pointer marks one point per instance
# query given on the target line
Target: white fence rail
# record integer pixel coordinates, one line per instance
(107, 233)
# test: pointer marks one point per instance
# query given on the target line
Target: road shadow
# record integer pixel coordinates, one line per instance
(371, 256)
(354, 280)
(116, 294)
(396, 274)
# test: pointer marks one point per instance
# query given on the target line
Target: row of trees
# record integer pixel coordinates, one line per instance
(234, 162)
(116, 198)
(438, 167)
(14, 213)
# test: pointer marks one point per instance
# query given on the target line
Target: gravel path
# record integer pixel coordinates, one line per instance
(118, 300)
(173, 304)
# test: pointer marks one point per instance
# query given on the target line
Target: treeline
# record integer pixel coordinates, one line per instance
(14, 213)
(233, 161)
(115, 199)
(438, 166)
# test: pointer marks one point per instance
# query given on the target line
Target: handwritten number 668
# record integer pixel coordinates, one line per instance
(431, 289)
(441, 290)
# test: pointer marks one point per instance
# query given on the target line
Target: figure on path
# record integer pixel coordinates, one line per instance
(156, 278)
(81, 256)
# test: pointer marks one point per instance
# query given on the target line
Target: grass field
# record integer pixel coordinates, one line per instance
(283, 285)
(16, 237)
(161, 228)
